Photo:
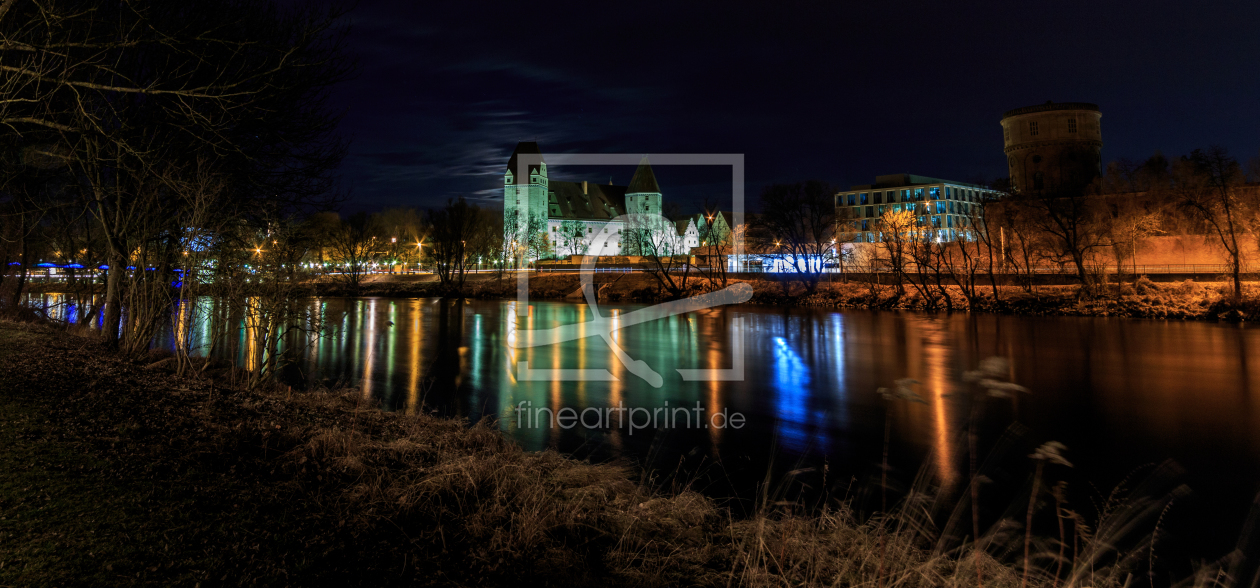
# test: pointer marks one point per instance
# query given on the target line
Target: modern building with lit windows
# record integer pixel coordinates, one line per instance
(947, 207)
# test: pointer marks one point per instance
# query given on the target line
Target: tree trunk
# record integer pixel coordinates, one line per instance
(1079, 261)
(22, 271)
(113, 298)
(1237, 277)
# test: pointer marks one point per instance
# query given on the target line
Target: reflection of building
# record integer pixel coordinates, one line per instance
(575, 218)
(1052, 147)
(945, 207)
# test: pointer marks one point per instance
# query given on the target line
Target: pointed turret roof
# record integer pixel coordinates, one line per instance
(526, 147)
(644, 180)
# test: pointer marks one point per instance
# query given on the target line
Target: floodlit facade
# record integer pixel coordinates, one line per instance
(576, 218)
(946, 207)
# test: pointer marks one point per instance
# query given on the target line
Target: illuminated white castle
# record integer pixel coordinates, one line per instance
(576, 218)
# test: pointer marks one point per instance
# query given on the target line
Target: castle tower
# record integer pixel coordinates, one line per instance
(643, 195)
(525, 200)
(1053, 146)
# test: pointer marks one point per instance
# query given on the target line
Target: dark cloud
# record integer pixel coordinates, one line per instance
(834, 92)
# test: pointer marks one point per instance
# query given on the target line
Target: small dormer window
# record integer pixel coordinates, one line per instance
(507, 179)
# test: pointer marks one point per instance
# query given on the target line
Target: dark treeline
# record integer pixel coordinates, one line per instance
(161, 151)
(175, 138)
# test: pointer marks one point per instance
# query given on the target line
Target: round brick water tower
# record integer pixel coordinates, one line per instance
(1052, 147)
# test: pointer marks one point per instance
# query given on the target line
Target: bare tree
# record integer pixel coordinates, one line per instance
(357, 246)
(123, 90)
(524, 240)
(656, 239)
(1209, 187)
(845, 257)
(717, 242)
(459, 232)
(800, 220)
(401, 230)
(572, 238)
(898, 229)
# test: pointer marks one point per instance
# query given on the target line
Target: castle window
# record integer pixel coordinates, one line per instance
(1032, 128)
(1071, 125)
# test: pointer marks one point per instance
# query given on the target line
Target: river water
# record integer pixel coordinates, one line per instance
(803, 418)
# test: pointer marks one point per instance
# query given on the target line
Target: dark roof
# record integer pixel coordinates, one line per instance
(681, 225)
(1052, 106)
(527, 147)
(644, 180)
(904, 181)
(566, 201)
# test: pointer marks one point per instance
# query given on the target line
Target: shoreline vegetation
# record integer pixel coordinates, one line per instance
(1137, 297)
(119, 472)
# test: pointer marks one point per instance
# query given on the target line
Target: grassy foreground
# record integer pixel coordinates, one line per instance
(116, 473)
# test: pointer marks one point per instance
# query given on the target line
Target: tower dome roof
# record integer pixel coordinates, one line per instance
(1050, 105)
(644, 181)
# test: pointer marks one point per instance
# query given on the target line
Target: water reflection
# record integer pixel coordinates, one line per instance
(1119, 393)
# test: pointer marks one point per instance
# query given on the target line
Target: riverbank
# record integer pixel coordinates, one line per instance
(1140, 298)
(118, 473)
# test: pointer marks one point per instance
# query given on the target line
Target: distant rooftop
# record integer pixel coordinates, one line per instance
(1051, 105)
(901, 180)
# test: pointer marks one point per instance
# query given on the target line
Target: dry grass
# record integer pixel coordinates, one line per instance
(507, 511)
(287, 488)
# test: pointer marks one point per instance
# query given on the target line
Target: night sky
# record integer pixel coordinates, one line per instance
(841, 92)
